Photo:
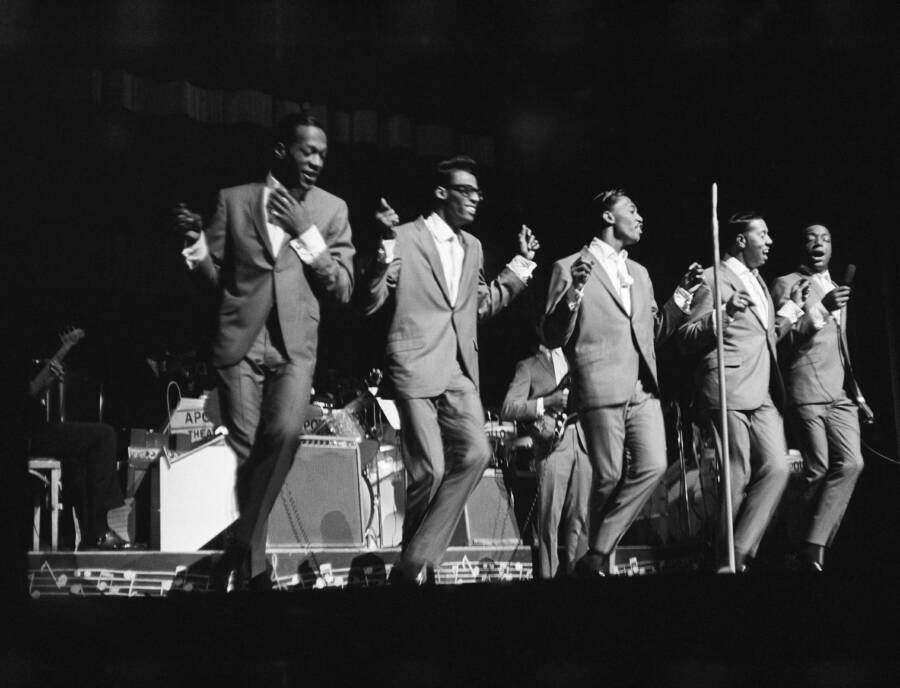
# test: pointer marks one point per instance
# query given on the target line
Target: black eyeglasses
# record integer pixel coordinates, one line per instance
(467, 191)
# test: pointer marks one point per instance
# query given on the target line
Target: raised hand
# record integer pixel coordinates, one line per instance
(528, 243)
(189, 224)
(800, 292)
(388, 218)
(580, 271)
(693, 278)
(837, 298)
(285, 211)
(738, 303)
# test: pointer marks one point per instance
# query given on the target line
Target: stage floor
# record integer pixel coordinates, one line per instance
(680, 630)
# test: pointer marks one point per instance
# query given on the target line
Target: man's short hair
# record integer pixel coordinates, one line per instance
(443, 173)
(285, 128)
(739, 223)
(605, 200)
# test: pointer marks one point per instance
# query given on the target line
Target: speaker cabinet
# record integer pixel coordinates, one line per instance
(489, 518)
(325, 502)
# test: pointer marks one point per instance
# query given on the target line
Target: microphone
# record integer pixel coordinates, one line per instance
(849, 274)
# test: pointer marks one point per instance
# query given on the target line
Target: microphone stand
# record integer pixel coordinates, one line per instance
(723, 406)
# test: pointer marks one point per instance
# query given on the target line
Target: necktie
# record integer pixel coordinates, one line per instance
(760, 296)
(455, 267)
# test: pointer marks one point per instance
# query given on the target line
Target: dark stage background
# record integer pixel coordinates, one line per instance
(789, 106)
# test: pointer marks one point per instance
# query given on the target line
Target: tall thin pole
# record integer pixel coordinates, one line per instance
(723, 406)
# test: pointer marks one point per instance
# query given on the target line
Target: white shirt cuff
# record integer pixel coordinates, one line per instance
(791, 311)
(539, 406)
(386, 250)
(574, 297)
(196, 253)
(683, 299)
(522, 267)
(818, 315)
(309, 245)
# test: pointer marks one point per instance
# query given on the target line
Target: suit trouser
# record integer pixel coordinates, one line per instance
(619, 491)
(565, 488)
(264, 398)
(445, 451)
(94, 446)
(828, 435)
(759, 472)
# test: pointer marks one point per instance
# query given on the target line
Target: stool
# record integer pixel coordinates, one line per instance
(35, 466)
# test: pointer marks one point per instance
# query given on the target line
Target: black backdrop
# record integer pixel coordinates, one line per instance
(790, 107)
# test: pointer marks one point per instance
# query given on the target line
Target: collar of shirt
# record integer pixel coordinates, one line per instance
(738, 268)
(603, 251)
(439, 229)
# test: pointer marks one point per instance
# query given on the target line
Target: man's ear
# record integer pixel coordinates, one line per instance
(741, 241)
(440, 192)
(279, 150)
(608, 217)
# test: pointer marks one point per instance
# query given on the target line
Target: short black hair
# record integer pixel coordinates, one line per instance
(285, 128)
(605, 200)
(443, 172)
(739, 223)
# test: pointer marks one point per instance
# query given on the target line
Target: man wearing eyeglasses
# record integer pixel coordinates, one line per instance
(601, 311)
(431, 273)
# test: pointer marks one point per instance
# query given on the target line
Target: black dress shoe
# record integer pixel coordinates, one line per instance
(111, 542)
(405, 574)
(229, 572)
(590, 567)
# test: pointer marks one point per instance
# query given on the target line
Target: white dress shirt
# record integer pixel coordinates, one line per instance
(308, 245)
(451, 253)
(560, 367)
(820, 284)
(751, 281)
(617, 270)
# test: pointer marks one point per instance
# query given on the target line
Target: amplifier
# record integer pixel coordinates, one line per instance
(488, 519)
(325, 502)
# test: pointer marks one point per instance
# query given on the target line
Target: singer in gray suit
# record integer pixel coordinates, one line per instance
(824, 400)
(601, 311)
(430, 274)
(273, 252)
(754, 388)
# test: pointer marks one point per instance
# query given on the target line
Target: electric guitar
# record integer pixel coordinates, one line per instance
(551, 426)
(45, 377)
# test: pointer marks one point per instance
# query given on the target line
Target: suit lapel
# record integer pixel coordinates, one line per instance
(429, 248)
(737, 284)
(258, 215)
(468, 264)
(598, 272)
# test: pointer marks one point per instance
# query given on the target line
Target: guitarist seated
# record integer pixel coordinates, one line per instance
(91, 444)
(538, 398)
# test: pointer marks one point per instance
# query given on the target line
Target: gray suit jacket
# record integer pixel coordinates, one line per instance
(251, 280)
(534, 378)
(815, 363)
(426, 333)
(599, 337)
(751, 370)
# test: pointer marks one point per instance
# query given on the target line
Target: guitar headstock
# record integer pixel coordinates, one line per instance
(71, 336)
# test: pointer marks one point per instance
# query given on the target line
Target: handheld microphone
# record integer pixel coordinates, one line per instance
(849, 274)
